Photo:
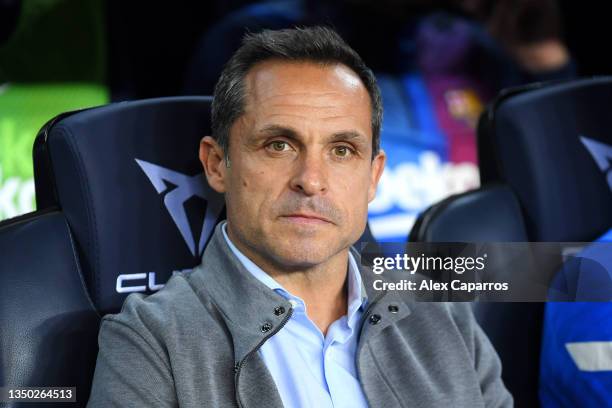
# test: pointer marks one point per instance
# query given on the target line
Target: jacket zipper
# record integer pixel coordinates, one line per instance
(239, 366)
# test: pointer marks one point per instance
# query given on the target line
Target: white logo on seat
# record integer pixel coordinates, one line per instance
(602, 154)
(592, 356)
(175, 198)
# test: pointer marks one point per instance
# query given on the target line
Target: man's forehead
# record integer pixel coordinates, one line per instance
(278, 79)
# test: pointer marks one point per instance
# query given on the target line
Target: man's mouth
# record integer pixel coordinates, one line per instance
(308, 219)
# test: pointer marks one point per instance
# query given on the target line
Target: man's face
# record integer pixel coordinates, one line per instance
(301, 172)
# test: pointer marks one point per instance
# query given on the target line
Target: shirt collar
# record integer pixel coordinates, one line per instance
(357, 297)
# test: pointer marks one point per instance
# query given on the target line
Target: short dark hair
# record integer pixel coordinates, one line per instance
(316, 44)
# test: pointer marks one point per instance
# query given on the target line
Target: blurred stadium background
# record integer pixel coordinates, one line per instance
(61, 55)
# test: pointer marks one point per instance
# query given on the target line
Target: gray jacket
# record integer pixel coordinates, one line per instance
(194, 344)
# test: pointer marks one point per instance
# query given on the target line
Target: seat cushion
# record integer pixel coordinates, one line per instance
(48, 324)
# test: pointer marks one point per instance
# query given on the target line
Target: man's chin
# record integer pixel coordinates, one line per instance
(303, 255)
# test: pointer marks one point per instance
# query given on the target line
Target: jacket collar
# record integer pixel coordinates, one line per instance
(384, 308)
(251, 310)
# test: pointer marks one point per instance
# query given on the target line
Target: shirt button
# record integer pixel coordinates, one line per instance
(393, 308)
(279, 310)
(266, 327)
(374, 319)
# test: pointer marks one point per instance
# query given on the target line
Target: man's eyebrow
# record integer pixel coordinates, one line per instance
(348, 135)
(291, 133)
(278, 130)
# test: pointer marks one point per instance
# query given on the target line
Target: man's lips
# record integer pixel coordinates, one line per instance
(307, 218)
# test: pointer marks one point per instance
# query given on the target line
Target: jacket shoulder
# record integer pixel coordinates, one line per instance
(165, 313)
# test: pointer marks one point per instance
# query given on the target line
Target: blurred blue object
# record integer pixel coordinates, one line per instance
(576, 359)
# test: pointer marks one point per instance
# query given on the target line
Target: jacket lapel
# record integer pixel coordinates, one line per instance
(384, 307)
(247, 306)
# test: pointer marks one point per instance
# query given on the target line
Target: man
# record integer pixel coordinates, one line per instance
(280, 312)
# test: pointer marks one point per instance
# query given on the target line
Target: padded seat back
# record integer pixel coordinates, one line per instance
(48, 323)
(493, 214)
(552, 145)
(128, 180)
(453, 219)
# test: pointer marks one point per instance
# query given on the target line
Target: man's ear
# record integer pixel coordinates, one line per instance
(213, 161)
(378, 165)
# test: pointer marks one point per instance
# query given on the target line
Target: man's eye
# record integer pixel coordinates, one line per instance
(342, 151)
(279, 146)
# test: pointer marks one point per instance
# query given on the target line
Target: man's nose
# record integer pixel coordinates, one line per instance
(310, 175)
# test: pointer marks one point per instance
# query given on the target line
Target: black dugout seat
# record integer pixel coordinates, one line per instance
(545, 153)
(122, 205)
(128, 180)
(48, 324)
(551, 145)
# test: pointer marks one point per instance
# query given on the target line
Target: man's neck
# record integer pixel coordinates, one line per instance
(322, 287)
(324, 290)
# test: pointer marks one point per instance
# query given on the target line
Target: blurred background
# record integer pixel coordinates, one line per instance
(438, 64)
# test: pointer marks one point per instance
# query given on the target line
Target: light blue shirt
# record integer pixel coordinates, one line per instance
(309, 369)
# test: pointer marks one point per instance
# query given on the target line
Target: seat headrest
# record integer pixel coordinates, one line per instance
(128, 179)
(552, 144)
(490, 214)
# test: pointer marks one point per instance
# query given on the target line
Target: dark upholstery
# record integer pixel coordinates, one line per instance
(128, 179)
(48, 324)
(537, 140)
(492, 214)
(120, 192)
(452, 219)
